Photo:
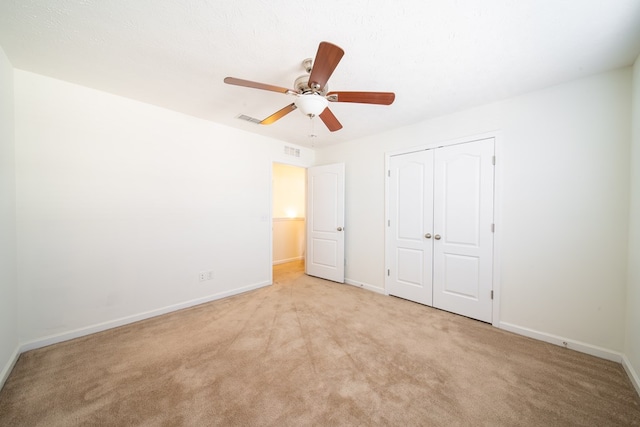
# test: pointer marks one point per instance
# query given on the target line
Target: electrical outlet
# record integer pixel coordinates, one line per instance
(203, 276)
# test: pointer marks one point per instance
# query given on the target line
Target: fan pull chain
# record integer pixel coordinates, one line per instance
(313, 135)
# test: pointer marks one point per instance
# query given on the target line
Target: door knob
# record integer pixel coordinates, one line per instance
(339, 229)
(427, 236)
(437, 237)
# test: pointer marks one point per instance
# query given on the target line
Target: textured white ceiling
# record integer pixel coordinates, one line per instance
(437, 56)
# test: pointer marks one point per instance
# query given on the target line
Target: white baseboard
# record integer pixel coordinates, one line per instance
(80, 332)
(284, 261)
(633, 375)
(364, 286)
(593, 350)
(9, 366)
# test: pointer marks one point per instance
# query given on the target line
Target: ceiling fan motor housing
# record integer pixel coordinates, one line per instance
(301, 85)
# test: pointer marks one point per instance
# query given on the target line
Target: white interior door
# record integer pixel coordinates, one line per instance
(463, 235)
(410, 223)
(325, 222)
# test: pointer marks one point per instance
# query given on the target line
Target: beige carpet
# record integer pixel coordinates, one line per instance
(311, 352)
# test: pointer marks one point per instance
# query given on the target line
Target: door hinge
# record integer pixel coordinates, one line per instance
(388, 223)
(493, 160)
(493, 228)
(389, 173)
(388, 272)
(491, 294)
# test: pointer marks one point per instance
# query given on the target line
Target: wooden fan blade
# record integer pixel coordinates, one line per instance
(330, 120)
(279, 114)
(383, 98)
(255, 85)
(327, 59)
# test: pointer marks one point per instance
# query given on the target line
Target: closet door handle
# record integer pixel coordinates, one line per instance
(427, 236)
(437, 237)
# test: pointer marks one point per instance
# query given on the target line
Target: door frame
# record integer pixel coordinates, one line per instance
(270, 216)
(497, 206)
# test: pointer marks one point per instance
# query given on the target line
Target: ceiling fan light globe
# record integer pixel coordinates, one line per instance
(311, 104)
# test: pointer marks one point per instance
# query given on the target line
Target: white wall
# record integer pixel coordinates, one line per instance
(8, 274)
(563, 154)
(288, 239)
(632, 348)
(121, 204)
(289, 191)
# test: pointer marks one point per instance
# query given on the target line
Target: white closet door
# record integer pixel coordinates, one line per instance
(463, 236)
(410, 226)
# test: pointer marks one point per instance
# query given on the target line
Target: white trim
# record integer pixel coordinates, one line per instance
(273, 162)
(497, 221)
(6, 371)
(582, 347)
(273, 219)
(363, 285)
(633, 375)
(88, 330)
(387, 216)
(284, 261)
(436, 144)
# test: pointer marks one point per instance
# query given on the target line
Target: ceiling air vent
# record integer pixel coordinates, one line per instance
(248, 119)
(290, 151)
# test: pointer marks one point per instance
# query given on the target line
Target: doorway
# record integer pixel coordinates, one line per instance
(288, 213)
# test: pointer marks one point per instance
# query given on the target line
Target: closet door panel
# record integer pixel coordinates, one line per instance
(463, 218)
(409, 252)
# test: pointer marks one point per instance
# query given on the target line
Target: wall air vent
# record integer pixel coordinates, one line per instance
(248, 119)
(290, 151)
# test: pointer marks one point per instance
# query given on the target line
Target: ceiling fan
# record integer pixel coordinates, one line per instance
(311, 90)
